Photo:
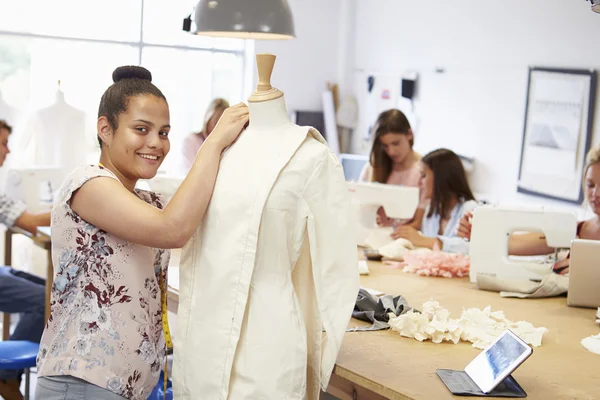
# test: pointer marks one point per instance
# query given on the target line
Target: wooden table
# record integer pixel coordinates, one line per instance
(43, 240)
(384, 365)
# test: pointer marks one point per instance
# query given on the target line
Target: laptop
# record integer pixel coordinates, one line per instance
(584, 274)
(353, 165)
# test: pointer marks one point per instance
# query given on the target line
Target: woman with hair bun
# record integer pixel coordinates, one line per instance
(104, 338)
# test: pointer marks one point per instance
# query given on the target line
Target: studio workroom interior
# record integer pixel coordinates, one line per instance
(299, 199)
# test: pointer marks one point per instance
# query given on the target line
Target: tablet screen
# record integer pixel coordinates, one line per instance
(498, 361)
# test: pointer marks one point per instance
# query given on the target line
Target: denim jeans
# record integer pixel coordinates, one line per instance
(70, 388)
(24, 294)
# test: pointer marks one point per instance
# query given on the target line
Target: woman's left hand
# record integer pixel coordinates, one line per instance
(562, 266)
(409, 233)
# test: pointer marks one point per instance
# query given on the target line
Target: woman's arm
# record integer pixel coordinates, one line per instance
(528, 244)
(105, 203)
(29, 222)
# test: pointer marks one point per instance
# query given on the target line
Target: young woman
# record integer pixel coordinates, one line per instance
(527, 244)
(192, 143)
(445, 184)
(393, 160)
(104, 338)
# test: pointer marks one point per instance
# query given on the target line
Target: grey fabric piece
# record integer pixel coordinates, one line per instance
(551, 285)
(370, 309)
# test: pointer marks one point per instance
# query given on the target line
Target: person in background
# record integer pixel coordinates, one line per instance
(105, 337)
(393, 160)
(192, 143)
(444, 182)
(20, 292)
(531, 243)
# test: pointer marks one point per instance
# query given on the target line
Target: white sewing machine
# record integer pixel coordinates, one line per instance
(35, 186)
(491, 228)
(399, 202)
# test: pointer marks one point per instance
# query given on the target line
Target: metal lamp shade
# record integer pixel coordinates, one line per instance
(245, 19)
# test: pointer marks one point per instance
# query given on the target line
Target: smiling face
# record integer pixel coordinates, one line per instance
(592, 187)
(140, 143)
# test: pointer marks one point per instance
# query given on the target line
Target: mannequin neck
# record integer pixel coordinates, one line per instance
(268, 114)
(60, 96)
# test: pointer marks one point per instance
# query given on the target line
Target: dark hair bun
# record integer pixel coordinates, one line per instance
(131, 72)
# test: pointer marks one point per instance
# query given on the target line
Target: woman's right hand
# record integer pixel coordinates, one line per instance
(230, 125)
(464, 226)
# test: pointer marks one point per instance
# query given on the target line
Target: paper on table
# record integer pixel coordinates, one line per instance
(363, 268)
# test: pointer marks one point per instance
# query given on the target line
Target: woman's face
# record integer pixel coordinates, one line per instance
(592, 187)
(4, 150)
(396, 146)
(212, 122)
(141, 141)
(426, 182)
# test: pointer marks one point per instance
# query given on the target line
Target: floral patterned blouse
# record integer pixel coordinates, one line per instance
(105, 324)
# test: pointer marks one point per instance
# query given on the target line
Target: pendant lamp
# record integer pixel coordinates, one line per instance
(245, 19)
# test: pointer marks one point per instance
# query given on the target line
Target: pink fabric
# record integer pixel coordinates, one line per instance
(191, 145)
(105, 323)
(437, 263)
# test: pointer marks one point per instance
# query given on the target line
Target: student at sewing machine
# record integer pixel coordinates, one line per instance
(105, 335)
(445, 185)
(528, 244)
(393, 161)
(192, 143)
(20, 293)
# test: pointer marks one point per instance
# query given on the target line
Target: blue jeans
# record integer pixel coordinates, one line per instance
(24, 294)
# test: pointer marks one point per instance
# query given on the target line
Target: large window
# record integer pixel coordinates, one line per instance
(73, 46)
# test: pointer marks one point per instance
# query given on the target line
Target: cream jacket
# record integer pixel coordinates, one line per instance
(269, 280)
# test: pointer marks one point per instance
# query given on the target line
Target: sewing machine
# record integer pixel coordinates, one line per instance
(491, 228)
(399, 202)
(35, 186)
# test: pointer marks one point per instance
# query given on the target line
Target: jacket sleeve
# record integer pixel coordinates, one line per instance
(332, 242)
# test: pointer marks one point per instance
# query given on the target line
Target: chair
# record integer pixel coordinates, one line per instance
(19, 354)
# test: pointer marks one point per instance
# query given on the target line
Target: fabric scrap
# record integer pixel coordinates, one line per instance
(377, 310)
(479, 327)
(436, 263)
(551, 285)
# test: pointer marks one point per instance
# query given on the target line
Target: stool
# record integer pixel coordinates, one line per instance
(19, 354)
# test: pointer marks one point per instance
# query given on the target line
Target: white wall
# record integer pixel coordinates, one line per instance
(477, 106)
(304, 65)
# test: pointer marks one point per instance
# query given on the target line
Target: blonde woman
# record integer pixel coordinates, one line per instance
(192, 143)
(534, 243)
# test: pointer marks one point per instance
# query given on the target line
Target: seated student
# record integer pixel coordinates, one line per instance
(393, 160)
(444, 182)
(20, 292)
(531, 243)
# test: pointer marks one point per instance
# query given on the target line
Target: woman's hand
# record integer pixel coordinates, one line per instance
(382, 218)
(230, 125)
(415, 237)
(562, 266)
(464, 226)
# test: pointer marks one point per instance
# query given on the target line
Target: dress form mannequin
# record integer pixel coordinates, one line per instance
(61, 135)
(273, 260)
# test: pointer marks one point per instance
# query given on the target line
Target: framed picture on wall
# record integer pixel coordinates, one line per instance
(557, 132)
